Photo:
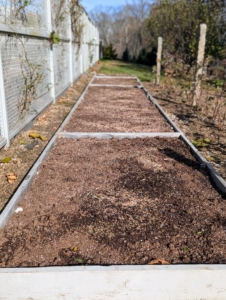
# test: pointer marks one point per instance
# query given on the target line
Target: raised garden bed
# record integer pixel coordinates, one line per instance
(97, 203)
(117, 109)
(106, 202)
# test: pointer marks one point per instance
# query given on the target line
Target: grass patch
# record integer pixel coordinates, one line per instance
(114, 67)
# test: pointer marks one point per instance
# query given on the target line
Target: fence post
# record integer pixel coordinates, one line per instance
(159, 58)
(200, 60)
(3, 107)
(50, 29)
(70, 51)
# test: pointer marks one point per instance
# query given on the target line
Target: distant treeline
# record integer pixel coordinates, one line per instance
(130, 32)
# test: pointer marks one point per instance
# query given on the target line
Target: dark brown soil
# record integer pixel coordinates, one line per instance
(117, 110)
(117, 202)
(116, 81)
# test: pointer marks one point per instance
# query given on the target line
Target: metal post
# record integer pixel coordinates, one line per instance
(3, 106)
(81, 60)
(70, 52)
(51, 66)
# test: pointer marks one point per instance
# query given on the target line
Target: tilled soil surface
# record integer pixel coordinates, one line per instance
(117, 109)
(116, 81)
(117, 202)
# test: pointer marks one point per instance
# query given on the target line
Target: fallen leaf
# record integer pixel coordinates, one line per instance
(210, 158)
(34, 135)
(159, 262)
(79, 260)
(11, 177)
(6, 160)
(207, 141)
(42, 137)
(199, 143)
(75, 248)
(22, 142)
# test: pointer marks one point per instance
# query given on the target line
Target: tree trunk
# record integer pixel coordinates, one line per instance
(200, 60)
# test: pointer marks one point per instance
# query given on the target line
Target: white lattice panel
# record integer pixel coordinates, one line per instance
(61, 67)
(24, 14)
(25, 57)
(60, 18)
(23, 60)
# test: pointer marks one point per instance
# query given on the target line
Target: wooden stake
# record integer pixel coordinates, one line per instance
(159, 58)
(200, 60)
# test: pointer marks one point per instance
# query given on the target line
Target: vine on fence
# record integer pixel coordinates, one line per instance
(33, 70)
(72, 8)
(33, 74)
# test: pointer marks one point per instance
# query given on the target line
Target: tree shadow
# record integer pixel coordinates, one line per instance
(180, 158)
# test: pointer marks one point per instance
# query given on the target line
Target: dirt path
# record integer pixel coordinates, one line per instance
(130, 201)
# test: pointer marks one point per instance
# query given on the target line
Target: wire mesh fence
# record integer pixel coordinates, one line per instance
(44, 47)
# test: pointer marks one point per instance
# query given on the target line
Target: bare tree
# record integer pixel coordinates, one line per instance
(123, 26)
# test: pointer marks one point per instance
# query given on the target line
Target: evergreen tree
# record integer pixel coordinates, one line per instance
(109, 52)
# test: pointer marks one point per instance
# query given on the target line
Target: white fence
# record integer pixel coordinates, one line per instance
(40, 57)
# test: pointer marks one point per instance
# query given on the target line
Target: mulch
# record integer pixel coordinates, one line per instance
(117, 109)
(106, 202)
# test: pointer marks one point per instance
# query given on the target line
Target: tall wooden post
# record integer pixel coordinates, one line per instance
(159, 58)
(200, 61)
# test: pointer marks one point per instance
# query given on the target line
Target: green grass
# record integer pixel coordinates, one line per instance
(113, 67)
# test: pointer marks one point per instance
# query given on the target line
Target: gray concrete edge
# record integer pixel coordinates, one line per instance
(117, 135)
(11, 205)
(115, 268)
(114, 85)
(116, 77)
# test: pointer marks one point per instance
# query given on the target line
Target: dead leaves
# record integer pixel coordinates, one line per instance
(11, 177)
(5, 160)
(159, 262)
(35, 135)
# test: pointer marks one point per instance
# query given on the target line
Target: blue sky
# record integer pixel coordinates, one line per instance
(90, 4)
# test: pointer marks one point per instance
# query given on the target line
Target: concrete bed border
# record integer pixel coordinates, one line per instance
(116, 135)
(173, 282)
(180, 282)
(115, 77)
(114, 85)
